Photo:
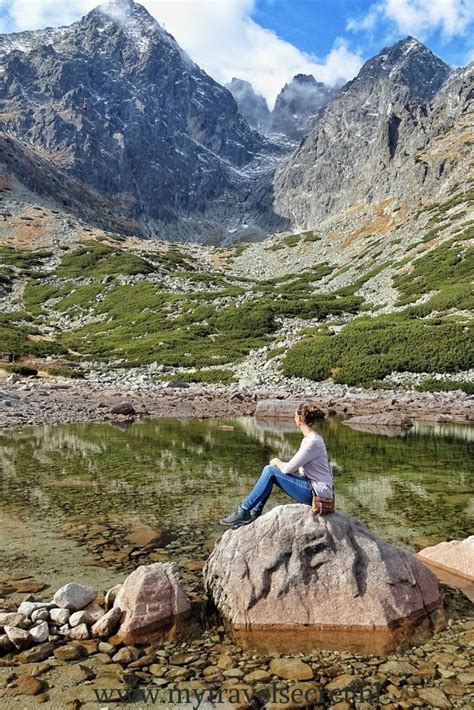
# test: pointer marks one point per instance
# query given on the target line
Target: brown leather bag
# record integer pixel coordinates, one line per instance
(321, 506)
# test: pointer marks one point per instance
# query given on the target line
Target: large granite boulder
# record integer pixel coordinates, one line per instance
(455, 556)
(292, 581)
(153, 602)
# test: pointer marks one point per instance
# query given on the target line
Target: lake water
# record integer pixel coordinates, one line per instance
(95, 483)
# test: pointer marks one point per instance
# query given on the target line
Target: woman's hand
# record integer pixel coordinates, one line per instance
(275, 462)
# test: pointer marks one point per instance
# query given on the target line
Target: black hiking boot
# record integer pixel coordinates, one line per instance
(255, 513)
(239, 517)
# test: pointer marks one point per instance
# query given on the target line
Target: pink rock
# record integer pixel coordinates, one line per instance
(107, 624)
(294, 581)
(456, 556)
(152, 600)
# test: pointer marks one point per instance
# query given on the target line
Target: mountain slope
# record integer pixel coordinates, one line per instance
(115, 105)
(358, 149)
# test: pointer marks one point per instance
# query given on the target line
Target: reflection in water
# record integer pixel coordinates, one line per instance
(448, 429)
(184, 472)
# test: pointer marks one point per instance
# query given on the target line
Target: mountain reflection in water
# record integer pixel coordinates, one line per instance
(410, 489)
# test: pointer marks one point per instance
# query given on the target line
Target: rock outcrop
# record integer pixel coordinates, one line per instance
(296, 109)
(385, 424)
(292, 580)
(152, 601)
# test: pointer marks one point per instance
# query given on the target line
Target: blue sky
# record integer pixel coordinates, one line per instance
(313, 25)
(267, 42)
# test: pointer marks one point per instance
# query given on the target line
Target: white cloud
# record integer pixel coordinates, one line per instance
(419, 17)
(220, 35)
(33, 14)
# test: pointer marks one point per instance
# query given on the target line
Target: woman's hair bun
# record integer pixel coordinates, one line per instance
(309, 412)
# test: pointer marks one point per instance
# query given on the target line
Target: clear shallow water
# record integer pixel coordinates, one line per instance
(184, 474)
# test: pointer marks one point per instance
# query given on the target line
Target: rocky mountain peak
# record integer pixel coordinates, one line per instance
(298, 104)
(251, 105)
(407, 65)
(307, 79)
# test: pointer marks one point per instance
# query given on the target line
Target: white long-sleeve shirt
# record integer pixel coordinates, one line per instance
(312, 461)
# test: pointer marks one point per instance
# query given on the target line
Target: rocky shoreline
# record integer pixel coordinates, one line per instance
(28, 402)
(73, 673)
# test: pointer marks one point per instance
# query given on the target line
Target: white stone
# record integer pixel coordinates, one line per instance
(110, 596)
(40, 615)
(79, 632)
(60, 616)
(89, 615)
(40, 632)
(74, 596)
(27, 608)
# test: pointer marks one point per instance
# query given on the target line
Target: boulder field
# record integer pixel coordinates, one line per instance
(293, 580)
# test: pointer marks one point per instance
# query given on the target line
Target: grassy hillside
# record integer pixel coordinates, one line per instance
(199, 314)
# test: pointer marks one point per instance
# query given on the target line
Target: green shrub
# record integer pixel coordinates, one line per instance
(183, 330)
(22, 370)
(82, 296)
(174, 259)
(239, 249)
(98, 260)
(371, 348)
(21, 258)
(310, 236)
(248, 320)
(447, 268)
(356, 285)
(274, 352)
(36, 294)
(300, 284)
(42, 348)
(14, 337)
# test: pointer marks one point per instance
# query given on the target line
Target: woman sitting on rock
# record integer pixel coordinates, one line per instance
(312, 461)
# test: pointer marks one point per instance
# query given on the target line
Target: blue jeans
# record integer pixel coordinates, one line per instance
(295, 486)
